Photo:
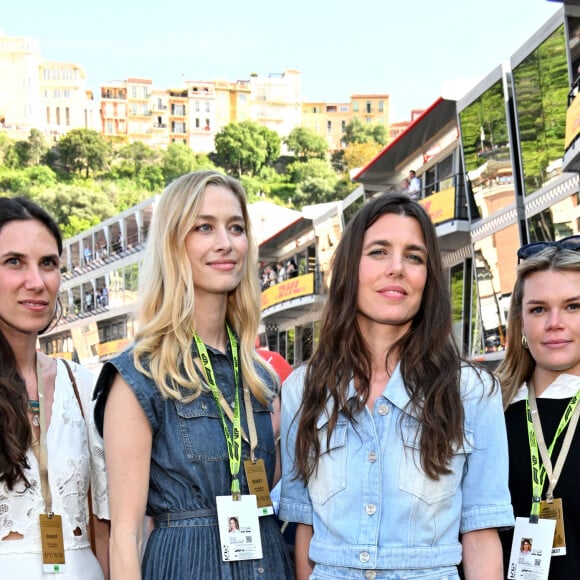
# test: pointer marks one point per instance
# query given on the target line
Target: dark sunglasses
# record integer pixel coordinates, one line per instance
(569, 243)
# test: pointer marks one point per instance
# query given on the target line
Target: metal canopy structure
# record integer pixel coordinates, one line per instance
(389, 162)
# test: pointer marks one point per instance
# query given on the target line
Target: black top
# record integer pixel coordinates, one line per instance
(568, 487)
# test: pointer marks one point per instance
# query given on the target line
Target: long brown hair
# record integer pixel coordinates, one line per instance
(429, 359)
(15, 432)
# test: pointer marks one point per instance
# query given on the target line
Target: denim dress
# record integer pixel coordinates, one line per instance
(374, 511)
(189, 468)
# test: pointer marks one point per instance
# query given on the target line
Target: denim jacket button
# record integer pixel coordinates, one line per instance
(370, 574)
(371, 509)
(364, 557)
(372, 457)
(383, 409)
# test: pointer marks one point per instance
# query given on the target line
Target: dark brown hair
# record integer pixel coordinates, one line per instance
(15, 432)
(429, 359)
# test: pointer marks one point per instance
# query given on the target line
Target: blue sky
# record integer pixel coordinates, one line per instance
(405, 48)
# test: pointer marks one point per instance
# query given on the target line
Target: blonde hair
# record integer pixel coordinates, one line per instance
(518, 364)
(167, 298)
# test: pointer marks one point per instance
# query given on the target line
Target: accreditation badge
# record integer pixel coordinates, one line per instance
(258, 484)
(552, 510)
(531, 549)
(239, 528)
(52, 544)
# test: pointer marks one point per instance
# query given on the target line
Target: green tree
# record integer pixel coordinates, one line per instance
(77, 206)
(83, 151)
(315, 182)
(244, 148)
(41, 176)
(14, 181)
(272, 143)
(359, 154)
(357, 132)
(135, 157)
(32, 151)
(8, 156)
(179, 159)
(306, 143)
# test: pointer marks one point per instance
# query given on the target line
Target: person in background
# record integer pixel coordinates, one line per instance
(541, 370)
(291, 268)
(388, 437)
(280, 272)
(414, 189)
(188, 405)
(50, 452)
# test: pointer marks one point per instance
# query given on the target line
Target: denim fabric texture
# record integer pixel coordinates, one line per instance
(189, 468)
(375, 512)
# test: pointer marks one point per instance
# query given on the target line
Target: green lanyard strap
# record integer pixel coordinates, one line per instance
(538, 447)
(233, 440)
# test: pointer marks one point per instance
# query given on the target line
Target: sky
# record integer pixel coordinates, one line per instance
(409, 49)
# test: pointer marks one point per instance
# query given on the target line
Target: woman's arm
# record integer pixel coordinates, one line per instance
(276, 429)
(482, 555)
(304, 565)
(128, 439)
(102, 530)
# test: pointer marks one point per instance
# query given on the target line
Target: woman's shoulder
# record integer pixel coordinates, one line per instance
(80, 372)
(294, 387)
(476, 381)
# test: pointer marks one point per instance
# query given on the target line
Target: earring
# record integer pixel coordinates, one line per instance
(524, 341)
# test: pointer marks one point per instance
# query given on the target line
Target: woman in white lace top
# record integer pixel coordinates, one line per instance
(49, 455)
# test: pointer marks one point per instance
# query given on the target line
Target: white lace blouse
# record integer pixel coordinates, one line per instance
(75, 454)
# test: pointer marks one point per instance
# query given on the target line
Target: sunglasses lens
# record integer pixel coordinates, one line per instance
(569, 243)
(531, 249)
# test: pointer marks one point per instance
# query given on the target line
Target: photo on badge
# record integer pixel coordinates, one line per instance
(239, 528)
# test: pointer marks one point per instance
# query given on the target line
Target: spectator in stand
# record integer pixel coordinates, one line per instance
(88, 255)
(280, 272)
(272, 275)
(414, 190)
(291, 268)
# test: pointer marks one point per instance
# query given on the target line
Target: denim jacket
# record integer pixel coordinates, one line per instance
(370, 503)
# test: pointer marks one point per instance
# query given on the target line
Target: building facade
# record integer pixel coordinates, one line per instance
(39, 94)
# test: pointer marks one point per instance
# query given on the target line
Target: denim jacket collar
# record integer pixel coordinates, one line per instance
(394, 391)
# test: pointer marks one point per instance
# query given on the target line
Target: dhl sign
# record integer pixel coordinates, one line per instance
(440, 206)
(293, 288)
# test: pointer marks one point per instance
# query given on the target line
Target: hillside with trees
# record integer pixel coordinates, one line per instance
(84, 177)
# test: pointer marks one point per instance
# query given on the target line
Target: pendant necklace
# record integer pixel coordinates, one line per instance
(34, 408)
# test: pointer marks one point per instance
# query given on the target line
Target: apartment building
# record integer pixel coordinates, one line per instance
(327, 119)
(39, 94)
(330, 119)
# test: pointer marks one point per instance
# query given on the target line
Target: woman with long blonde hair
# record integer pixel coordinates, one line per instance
(189, 402)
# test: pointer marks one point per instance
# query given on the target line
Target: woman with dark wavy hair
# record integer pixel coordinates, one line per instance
(387, 436)
(48, 454)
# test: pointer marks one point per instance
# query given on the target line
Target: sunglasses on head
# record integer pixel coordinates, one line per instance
(569, 243)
